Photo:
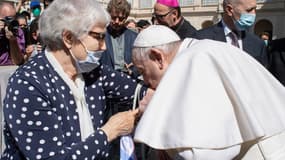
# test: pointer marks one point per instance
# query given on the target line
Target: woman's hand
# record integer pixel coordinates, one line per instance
(120, 124)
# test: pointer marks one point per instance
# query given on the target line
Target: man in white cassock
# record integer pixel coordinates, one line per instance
(212, 100)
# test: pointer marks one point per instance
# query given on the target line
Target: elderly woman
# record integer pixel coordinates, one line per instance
(55, 103)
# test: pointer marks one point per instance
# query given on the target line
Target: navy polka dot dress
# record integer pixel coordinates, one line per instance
(41, 120)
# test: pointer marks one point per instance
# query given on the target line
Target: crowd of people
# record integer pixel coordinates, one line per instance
(80, 66)
(21, 24)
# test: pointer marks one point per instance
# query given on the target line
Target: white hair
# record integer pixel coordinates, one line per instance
(142, 53)
(77, 16)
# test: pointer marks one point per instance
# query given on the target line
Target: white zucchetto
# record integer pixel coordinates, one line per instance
(155, 35)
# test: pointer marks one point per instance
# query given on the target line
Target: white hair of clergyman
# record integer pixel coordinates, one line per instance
(142, 53)
(77, 16)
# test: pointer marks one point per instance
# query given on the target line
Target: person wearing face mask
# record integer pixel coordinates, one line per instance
(55, 106)
(35, 6)
(237, 18)
(23, 24)
(35, 45)
(265, 36)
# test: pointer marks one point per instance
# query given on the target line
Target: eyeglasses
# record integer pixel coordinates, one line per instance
(96, 35)
(23, 25)
(161, 16)
(121, 18)
(2, 19)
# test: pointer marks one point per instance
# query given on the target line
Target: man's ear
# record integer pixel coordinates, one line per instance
(157, 56)
(67, 38)
(229, 10)
(34, 35)
(175, 13)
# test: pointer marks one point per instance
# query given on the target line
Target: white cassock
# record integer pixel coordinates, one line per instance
(213, 98)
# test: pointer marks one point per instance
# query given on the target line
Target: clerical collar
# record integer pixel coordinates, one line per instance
(178, 25)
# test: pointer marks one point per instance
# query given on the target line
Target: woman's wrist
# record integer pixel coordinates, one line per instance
(110, 133)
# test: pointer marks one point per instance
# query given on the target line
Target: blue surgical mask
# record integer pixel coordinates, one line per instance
(91, 62)
(36, 12)
(245, 21)
(266, 42)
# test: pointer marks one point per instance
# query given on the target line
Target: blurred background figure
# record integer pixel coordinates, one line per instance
(47, 3)
(277, 59)
(12, 38)
(35, 45)
(23, 24)
(22, 21)
(265, 36)
(131, 24)
(142, 24)
(36, 9)
(27, 15)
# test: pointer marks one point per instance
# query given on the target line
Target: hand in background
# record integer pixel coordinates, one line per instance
(39, 47)
(29, 50)
(9, 35)
(128, 68)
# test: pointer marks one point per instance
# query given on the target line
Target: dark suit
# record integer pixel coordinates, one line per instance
(108, 56)
(277, 59)
(184, 29)
(252, 44)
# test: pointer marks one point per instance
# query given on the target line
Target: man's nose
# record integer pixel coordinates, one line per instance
(117, 20)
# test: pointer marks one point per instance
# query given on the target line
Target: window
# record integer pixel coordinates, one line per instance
(186, 2)
(131, 2)
(261, 1)
(210, 2)
(145, 4)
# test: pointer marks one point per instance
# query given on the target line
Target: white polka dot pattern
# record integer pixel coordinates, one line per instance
(40, 115)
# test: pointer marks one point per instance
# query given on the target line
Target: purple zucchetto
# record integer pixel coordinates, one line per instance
(169, 3)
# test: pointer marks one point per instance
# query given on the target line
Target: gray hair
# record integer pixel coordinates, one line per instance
(142, 53)
(77, 16)
(226, 2)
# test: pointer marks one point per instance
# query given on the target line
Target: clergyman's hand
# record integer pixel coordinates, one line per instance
(145, 101)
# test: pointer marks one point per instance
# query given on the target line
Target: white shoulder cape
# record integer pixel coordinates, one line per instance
(212, 96)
